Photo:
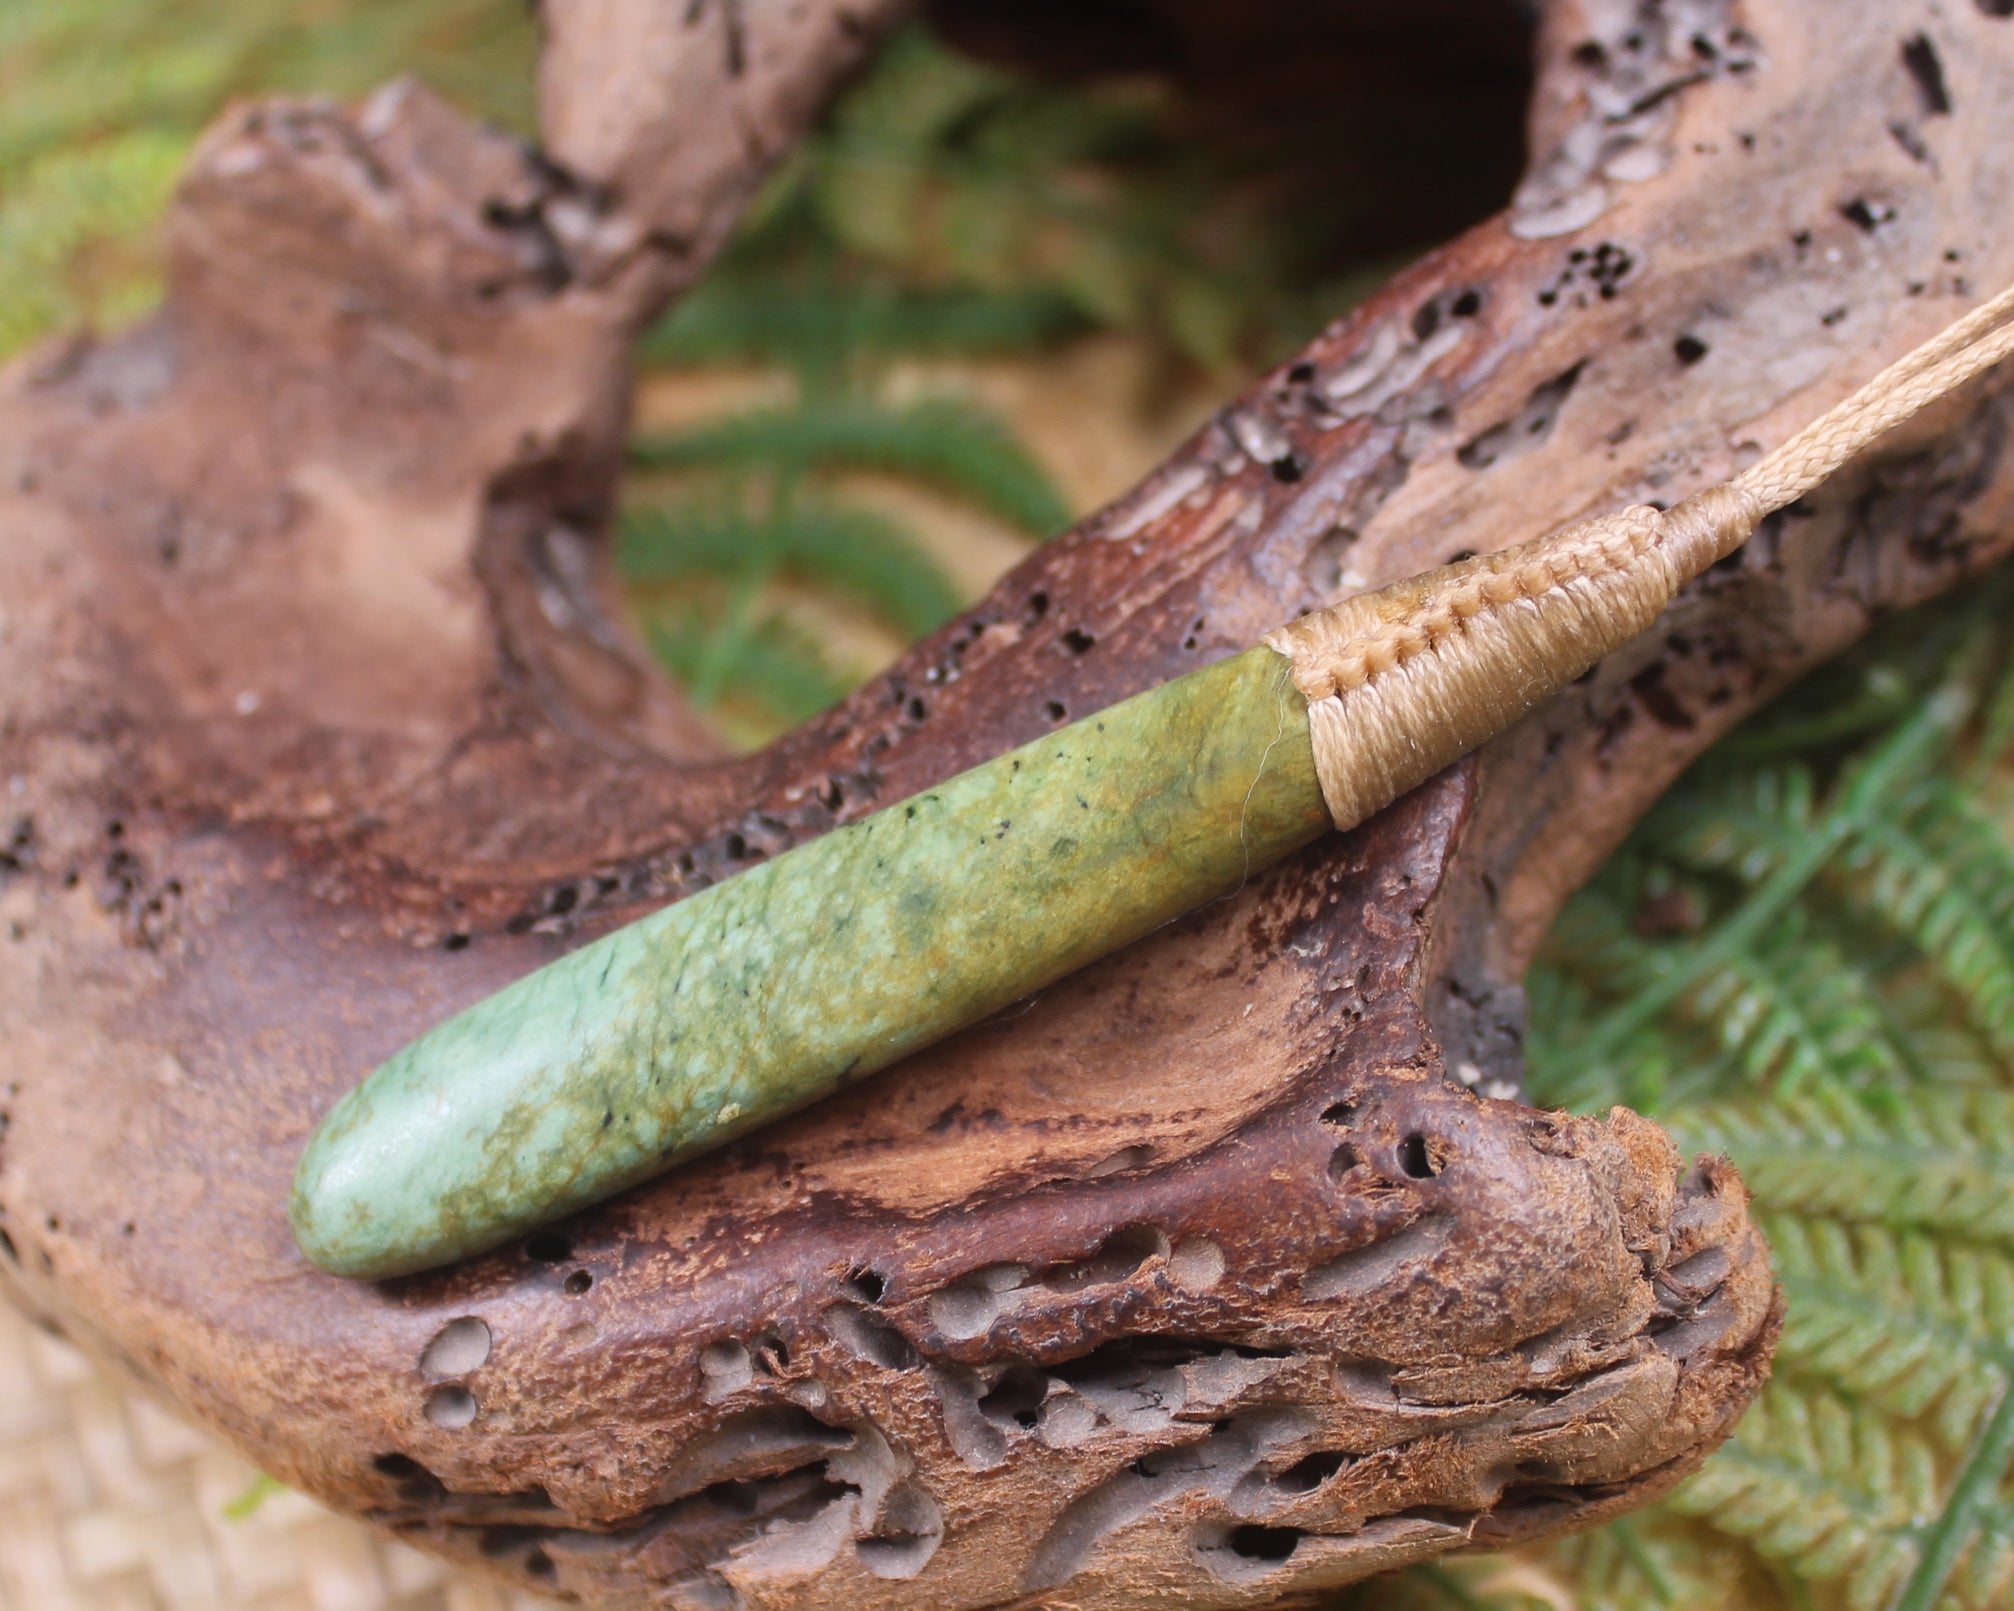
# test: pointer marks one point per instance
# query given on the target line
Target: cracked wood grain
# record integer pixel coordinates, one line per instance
(1229, 1266)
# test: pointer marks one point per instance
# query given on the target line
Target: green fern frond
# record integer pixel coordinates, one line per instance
(1826, 1496)
(1651, 1562)
(1796, 855)
(1838, 705)
(968, 174)
(1941, 1161)
(1995, 740)
(946, 442)
(1892, 1232)
(1792, 1009)
(1655, 1560)
(764, 661)
(1787, 1008)
(871, 191)
(1911, 1325)
(1823, 995)
(773, 319)
(1743, 825)
(1831, 1493)
(1451, 1585)
(1984, 1580)
(829, 281)
(1954, 899)
(852, 551)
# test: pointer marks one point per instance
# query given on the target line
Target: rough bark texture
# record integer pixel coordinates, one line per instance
(1195, 1280)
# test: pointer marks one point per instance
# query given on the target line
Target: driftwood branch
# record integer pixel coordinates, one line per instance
(1223, 1268)
(664, 115)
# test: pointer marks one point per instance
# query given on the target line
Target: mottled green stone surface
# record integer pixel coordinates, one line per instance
(770, 989)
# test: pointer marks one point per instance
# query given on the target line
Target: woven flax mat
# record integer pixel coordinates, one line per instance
(108, 1503)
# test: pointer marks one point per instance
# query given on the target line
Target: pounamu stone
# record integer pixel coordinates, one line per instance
(771, 989)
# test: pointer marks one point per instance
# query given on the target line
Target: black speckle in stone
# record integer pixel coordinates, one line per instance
(1863, 214)
(1920, 56)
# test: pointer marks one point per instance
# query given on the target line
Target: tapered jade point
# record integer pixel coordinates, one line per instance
(769, 990)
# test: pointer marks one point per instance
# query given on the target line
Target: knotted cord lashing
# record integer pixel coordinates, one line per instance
(1405, 680)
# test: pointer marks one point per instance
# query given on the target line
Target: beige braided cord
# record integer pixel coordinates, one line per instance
(1404, 681)
(1935, 369)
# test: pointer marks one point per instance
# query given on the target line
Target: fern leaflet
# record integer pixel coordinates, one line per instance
(1805, 959)
(947, 442)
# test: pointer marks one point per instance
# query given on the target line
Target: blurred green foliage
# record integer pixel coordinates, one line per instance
(757, 496)
(949, 171)
(719, 512)
(100, 101)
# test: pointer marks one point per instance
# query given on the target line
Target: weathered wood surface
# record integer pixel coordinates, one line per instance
(1195, 1279)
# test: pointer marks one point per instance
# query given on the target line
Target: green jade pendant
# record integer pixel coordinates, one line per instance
(775, 987)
